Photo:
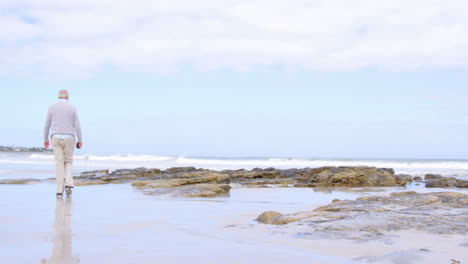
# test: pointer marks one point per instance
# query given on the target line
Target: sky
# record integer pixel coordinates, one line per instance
(318, 79)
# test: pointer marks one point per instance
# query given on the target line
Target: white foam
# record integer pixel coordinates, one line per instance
(42, 156)
(115, 157)
(301, 163)
(128, 157)
(413, 167)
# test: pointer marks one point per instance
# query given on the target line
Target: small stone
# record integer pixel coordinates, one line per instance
(432, 176)
(267, 217)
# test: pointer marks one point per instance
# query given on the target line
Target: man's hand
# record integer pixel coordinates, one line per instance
(46, 144)
(79, 144)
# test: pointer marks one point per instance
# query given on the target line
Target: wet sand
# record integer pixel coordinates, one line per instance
(118, 224)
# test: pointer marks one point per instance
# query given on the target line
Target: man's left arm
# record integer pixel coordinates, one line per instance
(78, 129)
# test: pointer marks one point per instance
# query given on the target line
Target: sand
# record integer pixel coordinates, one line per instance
(119, 224)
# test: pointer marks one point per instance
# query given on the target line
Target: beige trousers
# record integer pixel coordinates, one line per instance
(63, 151)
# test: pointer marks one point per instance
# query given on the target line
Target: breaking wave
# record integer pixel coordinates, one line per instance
(413, 167)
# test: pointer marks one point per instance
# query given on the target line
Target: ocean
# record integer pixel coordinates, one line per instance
(41, 165)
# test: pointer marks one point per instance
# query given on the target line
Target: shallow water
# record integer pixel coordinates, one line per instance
(116, 224)
(119, 224)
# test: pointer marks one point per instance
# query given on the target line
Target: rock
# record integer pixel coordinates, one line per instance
(19, 181)
(371, 217)
(259, 177)
(208, 190)
(226, 172)
(294, 172)
(80, 182)
(180, 169)
(256, 173)
(267, 217)
(452, 195)
(187, 183)
(442, 182)
(417, 178)
(118, 176)
(321, 177)
(282, 220)
(189, 174)
(364, 198)
(432, 176)
(318, 177)
(403, 193)
(138, 172)
(402, 179)
(462, 184)
(185, 179)
(301, 185)
(191, 191)
(204, 178)
(354, 177)
(94, 173)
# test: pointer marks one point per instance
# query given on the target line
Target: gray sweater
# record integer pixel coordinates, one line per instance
(62, 118)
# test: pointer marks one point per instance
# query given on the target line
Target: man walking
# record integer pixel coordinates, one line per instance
(62, 123)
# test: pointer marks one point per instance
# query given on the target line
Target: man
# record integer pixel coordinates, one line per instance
(62, 123)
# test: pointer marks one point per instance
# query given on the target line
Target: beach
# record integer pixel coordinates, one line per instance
(121, 223)
(228, 132)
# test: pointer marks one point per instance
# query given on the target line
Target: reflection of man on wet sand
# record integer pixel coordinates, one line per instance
(62, 251)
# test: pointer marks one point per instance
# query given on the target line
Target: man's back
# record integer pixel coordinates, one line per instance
(62, 118)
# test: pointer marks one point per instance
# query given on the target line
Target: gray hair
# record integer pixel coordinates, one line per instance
(63, 94)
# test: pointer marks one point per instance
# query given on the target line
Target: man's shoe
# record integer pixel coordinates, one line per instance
(68, 190)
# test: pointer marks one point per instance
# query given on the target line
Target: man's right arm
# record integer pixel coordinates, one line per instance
(47, 129)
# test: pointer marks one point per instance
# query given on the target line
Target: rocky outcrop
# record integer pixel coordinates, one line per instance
(354, 177)
(208, 177)
(188, 184)
(372, 216)
(190, 191)
(117, 176)
(444, 182)
(187, 177)
(205, 183)
(320, 177)
(269, 173)
(19, 181)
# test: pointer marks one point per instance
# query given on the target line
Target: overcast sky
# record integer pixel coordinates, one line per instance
(375, 79)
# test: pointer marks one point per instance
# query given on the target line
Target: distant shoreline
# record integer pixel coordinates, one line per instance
(24, 150)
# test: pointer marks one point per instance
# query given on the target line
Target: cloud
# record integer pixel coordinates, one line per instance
(65, 39)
